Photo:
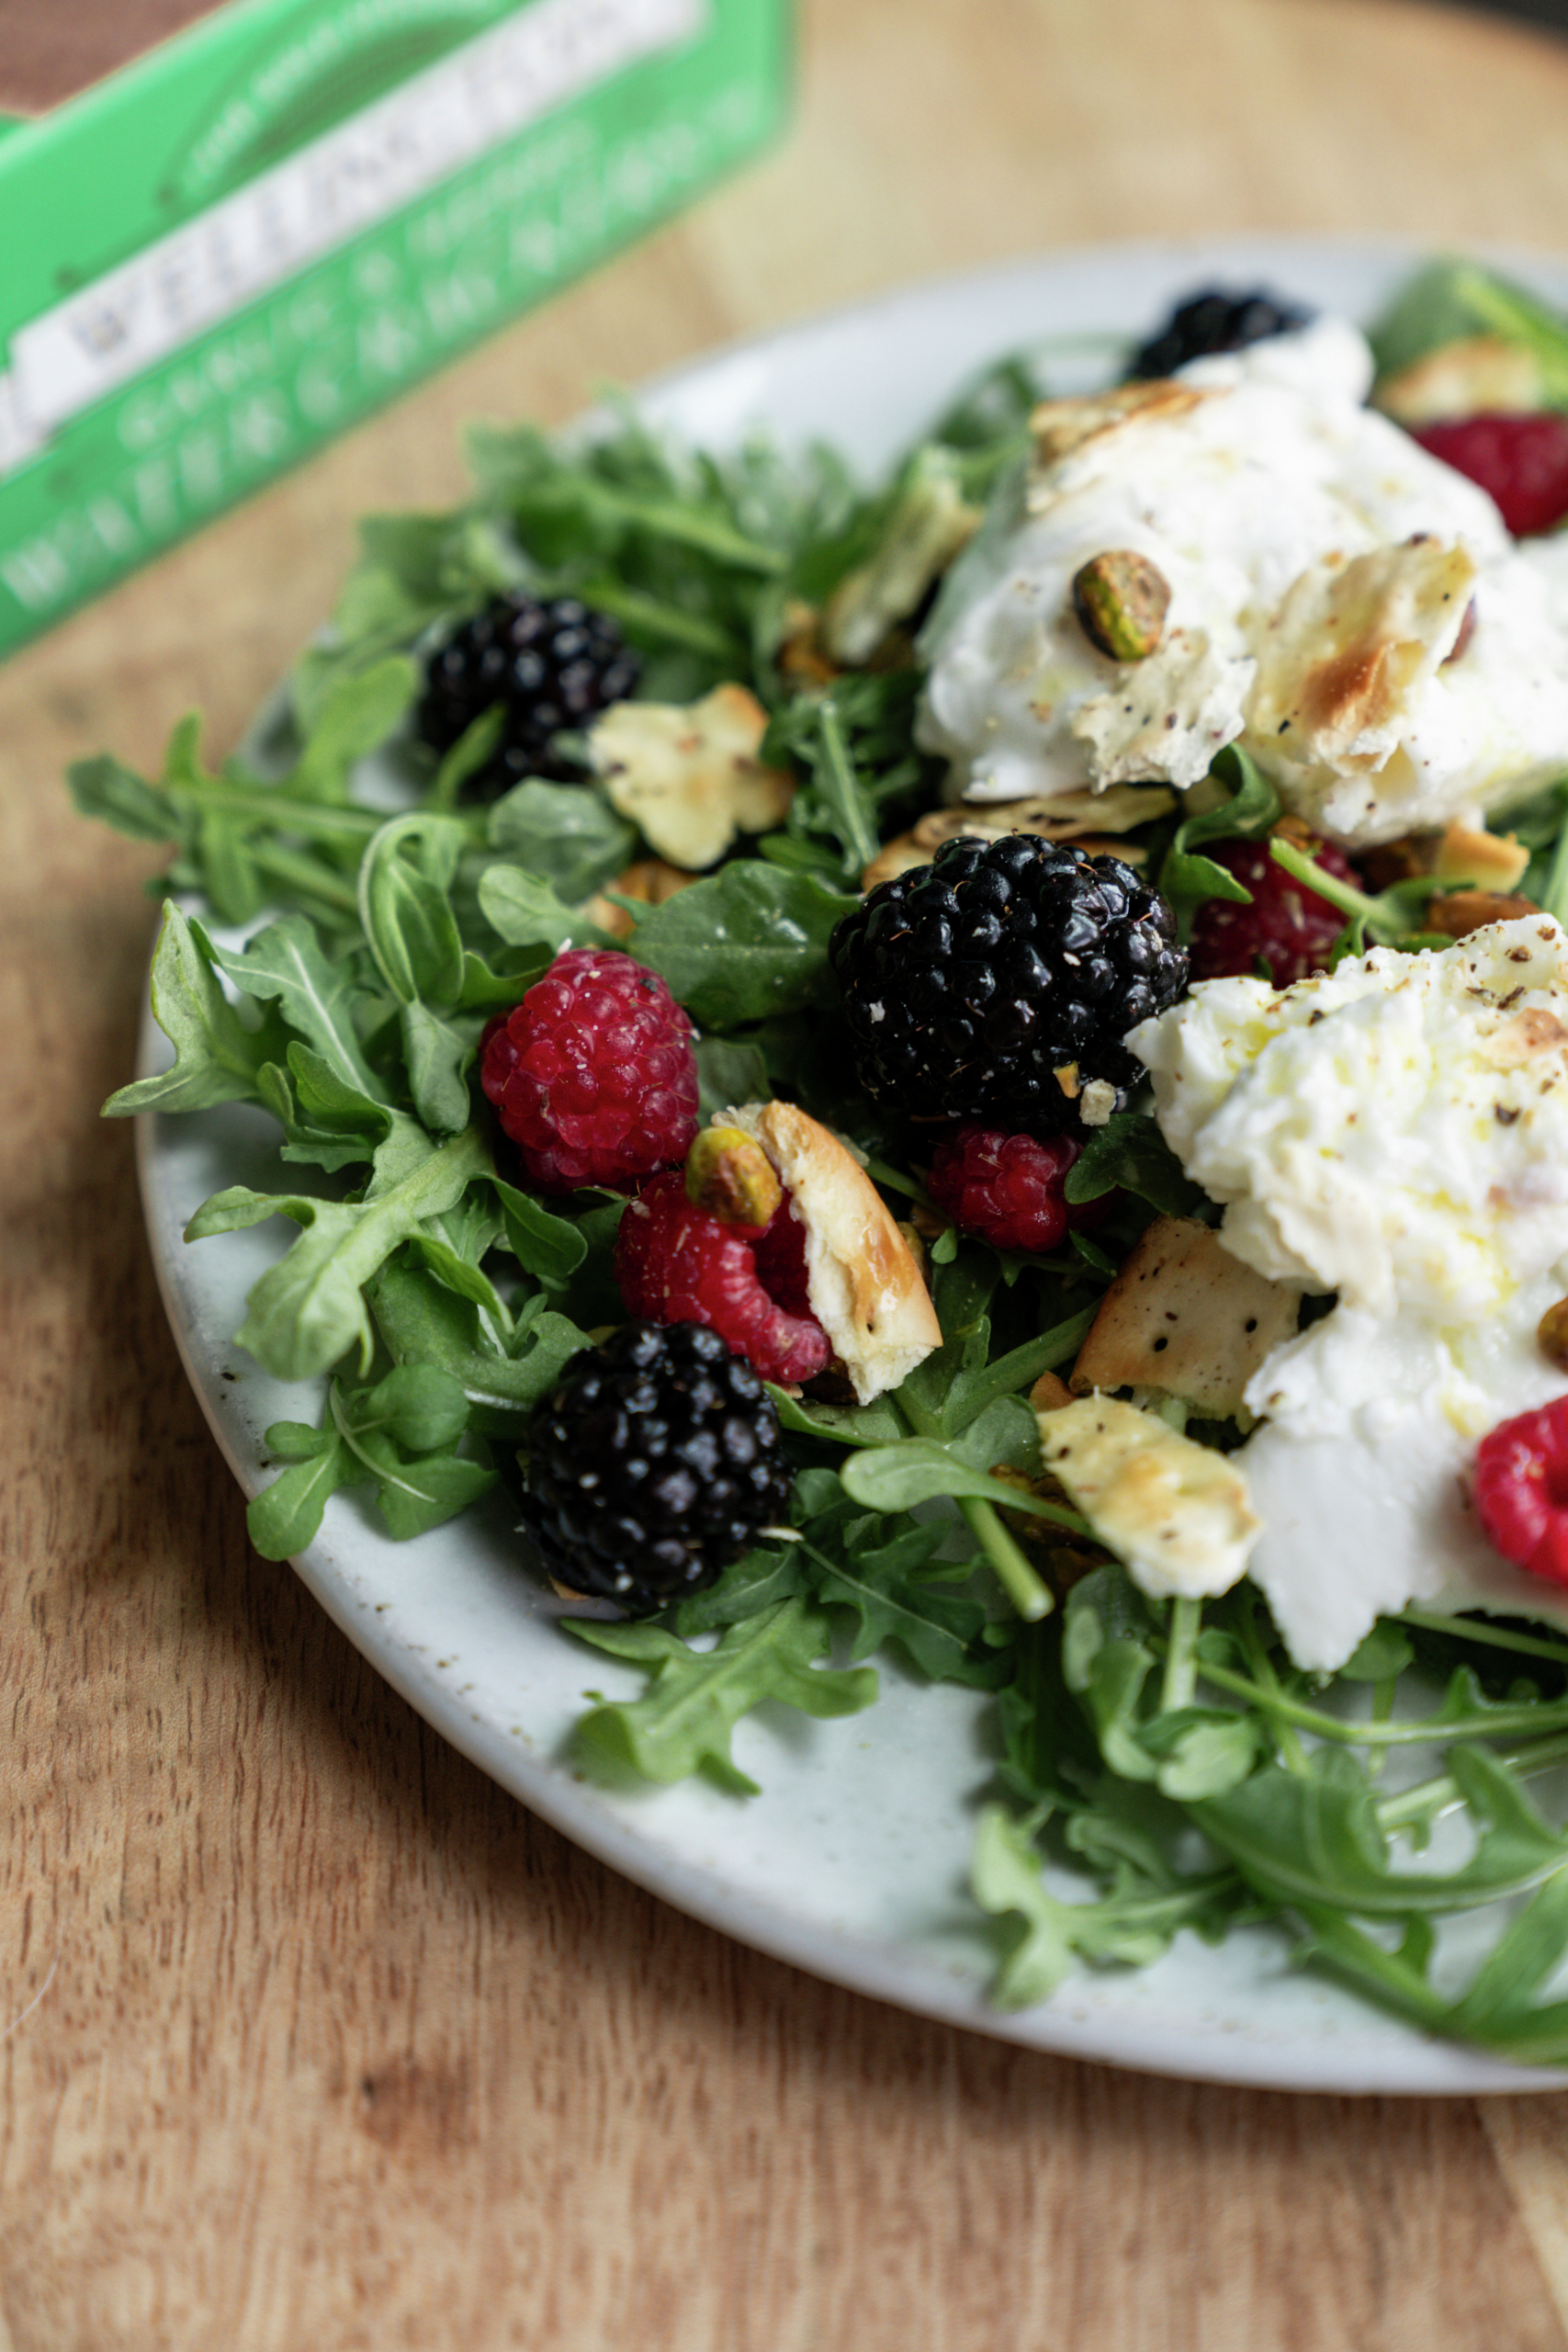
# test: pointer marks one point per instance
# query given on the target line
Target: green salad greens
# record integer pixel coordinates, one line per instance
(340, 920)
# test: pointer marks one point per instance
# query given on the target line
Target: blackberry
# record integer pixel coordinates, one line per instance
(551, 665)
(656, 1463)
(1214, 321)
(997, 983)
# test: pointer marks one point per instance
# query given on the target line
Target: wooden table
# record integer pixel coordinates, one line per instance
(311, 2037)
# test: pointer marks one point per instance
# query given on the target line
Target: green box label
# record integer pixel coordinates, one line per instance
(282, 307)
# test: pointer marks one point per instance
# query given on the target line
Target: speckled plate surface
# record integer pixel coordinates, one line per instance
(853, 1861)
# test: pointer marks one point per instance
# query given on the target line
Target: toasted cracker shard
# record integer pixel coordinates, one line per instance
(1093, 820)
(1185, 1315)
(688, 776)
(1060, 428)
(862, 1279)
(1352, 646)
(1459, 379)
(1179, 1515)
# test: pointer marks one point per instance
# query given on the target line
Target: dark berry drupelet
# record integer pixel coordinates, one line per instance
(997, 983)
(1287, 930)
(1214, 321)
(656, 1463)
(553, 666)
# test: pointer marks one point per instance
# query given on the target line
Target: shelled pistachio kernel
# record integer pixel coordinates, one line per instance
(1552, 1335)
(1122, 599)
(731, 1178)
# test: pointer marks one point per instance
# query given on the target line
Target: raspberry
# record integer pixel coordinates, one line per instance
(551, 666)
(1214, 321)
(1008, 1189)
(656, 1463)
(1521, 460)
(1288, 927)
(592, 1075)
(996, 983)
(1521, 1490)
(677, 1265)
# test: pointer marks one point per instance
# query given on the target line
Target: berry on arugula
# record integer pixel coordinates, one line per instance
(1288, 929)
(1522, 461)
(594, 1075)
(1008, 1189)
(1521, 1490)
(1214, 321)
(551, 665)
(997, 983)
(675, 1262)
(656, 1463)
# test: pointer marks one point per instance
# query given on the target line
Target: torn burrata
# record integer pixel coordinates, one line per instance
(1348, 608)
(1394, 1133)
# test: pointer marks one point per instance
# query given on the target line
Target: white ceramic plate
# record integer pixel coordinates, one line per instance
(853, 1861)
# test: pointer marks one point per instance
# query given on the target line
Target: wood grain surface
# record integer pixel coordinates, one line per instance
(309, 2036)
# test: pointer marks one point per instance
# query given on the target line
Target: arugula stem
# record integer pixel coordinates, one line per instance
(1475, 1629)
(669, 518)
(844, 791)
(649, 617)
(1023, 1366)
(270, 805)
(1181, 1657)
(304, 876)
(1385, 920)
(1022, 1584)
(1265, 1688)
(1426, 1798)
(1382, 1713)
(1554, 897)
(1264, 1691)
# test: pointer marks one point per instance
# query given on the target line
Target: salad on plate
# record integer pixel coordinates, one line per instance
(973, 1069)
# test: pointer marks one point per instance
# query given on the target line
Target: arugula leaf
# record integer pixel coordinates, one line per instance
(526, 912)
(1452, 299)
(217, 1058)
(355, 718)
(105, 788)
(1132, 1925)
(404, 876)
(423, 1320)
(1187, 878)
(899, 1591)
(1313, 1836)
(919, 1469)
(401, 1436)
(308, 1310)
(285, 965)
(746, 942)
(1129, 1154)
(683, 1722)
(566, 835)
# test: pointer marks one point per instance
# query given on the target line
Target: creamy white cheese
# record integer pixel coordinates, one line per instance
(1254, 494)
(1396, 1133)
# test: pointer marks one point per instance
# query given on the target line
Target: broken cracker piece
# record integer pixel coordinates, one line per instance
(860, 1277)
(688, 776)
(1185, 1315)
(1177, 1514)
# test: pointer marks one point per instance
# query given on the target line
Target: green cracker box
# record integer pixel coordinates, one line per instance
(218, 253)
